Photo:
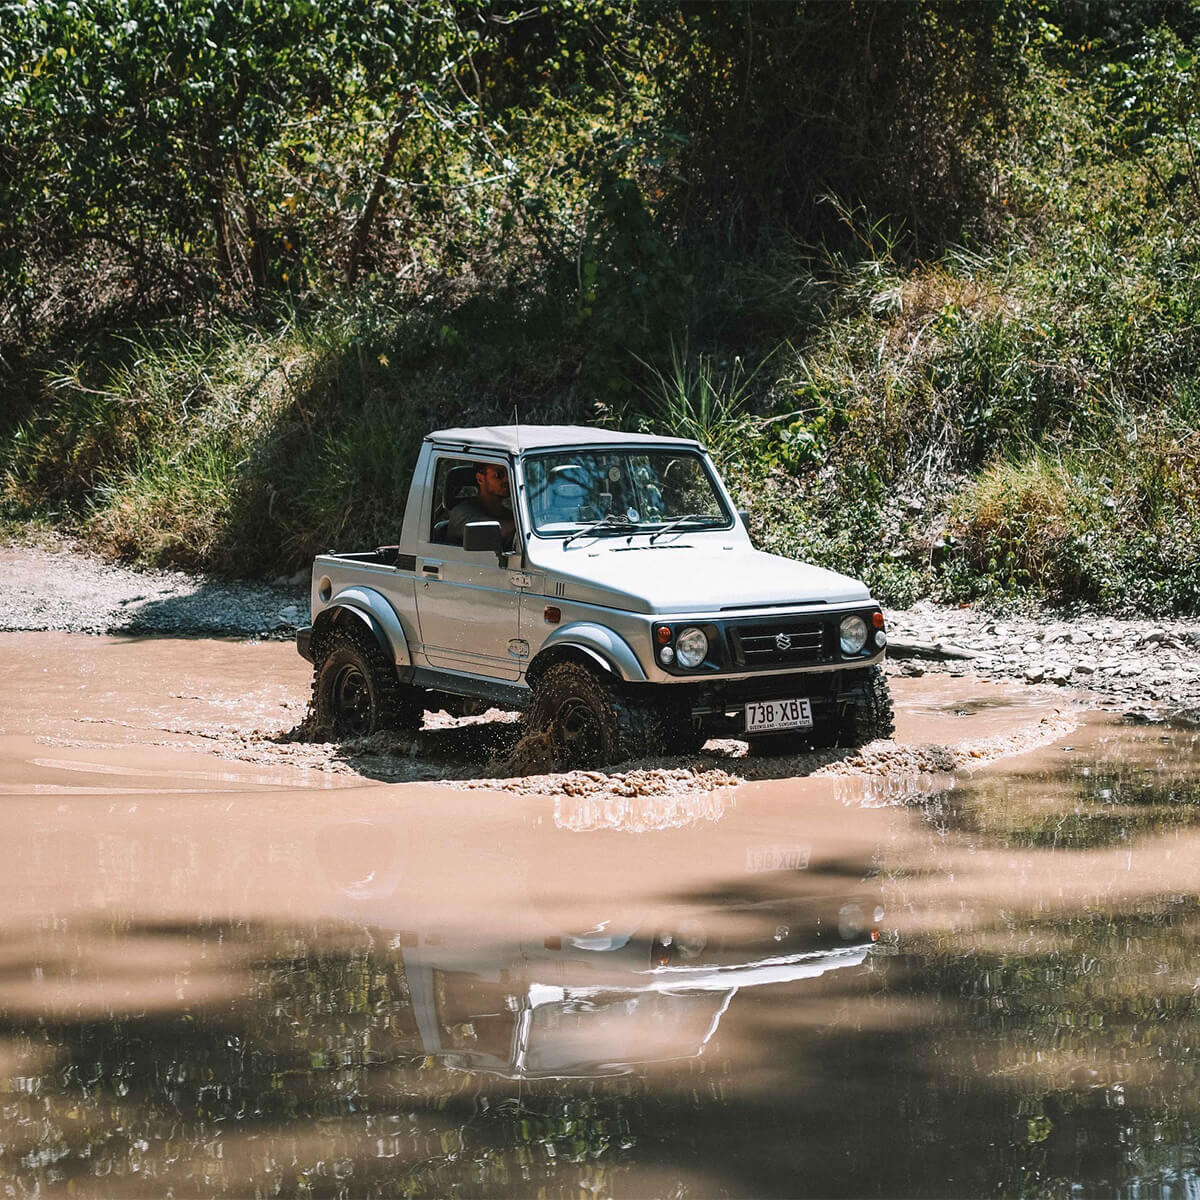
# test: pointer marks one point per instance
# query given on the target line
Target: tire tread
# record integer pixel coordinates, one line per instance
(633, 725)
(397, 706)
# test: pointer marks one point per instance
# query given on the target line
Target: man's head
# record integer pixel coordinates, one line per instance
(492, 479)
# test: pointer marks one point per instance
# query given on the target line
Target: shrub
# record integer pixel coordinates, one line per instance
(1017, 520)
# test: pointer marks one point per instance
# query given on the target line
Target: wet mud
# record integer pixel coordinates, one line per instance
(958, 963)
(247, 702)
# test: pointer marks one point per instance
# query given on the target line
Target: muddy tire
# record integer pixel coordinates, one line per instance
(355, 689)
(872, 717)
(587, 720)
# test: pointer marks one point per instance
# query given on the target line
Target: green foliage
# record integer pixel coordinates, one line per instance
(1154, 98)
(941, 261)
(701, 398)
(895, 107)
(219, 152)
(249, 448)
(196, 451)
(167, 131)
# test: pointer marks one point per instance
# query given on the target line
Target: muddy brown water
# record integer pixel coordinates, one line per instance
(965, 964)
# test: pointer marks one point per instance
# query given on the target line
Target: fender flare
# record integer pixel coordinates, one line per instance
(370, 607)
(595, 643)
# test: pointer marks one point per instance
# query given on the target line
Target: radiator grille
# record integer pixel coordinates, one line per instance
(782, 643)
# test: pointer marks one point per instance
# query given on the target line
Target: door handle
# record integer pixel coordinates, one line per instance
(433, 569)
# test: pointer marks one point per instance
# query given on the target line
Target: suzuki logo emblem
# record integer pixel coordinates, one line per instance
(783, 641)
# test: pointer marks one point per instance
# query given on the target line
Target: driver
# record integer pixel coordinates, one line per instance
(494, 503)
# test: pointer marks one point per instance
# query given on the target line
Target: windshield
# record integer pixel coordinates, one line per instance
(571, 489)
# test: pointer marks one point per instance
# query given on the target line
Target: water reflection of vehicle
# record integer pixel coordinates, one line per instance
(600, 1002)
(536, 947)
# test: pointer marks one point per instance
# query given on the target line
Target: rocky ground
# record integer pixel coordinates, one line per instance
(65, 588)
(1142, 665)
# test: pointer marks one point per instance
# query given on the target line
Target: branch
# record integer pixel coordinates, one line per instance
(362, 227)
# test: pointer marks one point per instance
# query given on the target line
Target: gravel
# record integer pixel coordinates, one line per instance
(1149, 666)
(70, 590)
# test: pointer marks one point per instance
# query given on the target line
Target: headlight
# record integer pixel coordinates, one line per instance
(691, 646)
(854, 634)
(852, 921)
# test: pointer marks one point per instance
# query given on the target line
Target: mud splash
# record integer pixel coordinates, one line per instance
(981, 723)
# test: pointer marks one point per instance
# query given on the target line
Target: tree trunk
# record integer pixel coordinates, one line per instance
(362, 227)
(258, 250)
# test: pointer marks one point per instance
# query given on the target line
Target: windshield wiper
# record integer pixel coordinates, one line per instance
(613, 521)
(687, 517)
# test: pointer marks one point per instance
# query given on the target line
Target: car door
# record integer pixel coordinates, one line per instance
(468, 605)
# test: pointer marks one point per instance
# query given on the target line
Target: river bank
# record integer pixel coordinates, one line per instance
(1148, 666)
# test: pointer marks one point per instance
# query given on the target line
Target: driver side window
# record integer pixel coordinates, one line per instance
(453, 482)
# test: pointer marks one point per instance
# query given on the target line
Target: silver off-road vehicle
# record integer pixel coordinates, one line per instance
(603, 583)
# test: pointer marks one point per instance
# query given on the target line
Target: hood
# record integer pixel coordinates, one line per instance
(700, 575)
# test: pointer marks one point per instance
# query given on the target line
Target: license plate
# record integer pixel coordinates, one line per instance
(764, 716)
(790, 856)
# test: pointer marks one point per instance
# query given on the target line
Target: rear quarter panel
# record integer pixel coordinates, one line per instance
(334, 577)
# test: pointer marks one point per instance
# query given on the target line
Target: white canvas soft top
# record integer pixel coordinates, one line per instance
(515, 438)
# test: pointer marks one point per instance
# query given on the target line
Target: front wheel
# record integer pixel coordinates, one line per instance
(355, 689)
(587, 722)
(871, 718)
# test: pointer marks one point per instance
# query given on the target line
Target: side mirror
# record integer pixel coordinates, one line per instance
(483, 535)
(744, 517)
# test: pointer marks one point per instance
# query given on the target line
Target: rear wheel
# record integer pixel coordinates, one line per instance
(355, 689)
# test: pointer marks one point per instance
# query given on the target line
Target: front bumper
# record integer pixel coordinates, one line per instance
(719, 706)
(304, 642)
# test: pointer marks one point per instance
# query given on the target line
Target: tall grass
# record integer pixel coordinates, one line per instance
(702, 397)
(247, 449)
(219, 452)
